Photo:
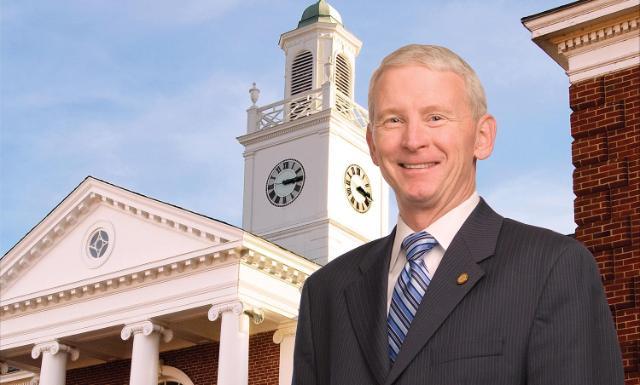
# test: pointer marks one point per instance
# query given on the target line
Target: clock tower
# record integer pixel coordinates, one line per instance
(309, 183)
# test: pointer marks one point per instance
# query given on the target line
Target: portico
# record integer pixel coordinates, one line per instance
(225, 286)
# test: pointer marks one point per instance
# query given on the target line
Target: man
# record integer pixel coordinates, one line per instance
(456, 294)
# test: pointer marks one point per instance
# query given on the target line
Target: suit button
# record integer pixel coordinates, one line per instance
(463, 278)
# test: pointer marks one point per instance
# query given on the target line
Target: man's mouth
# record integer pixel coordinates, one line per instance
(418, 165)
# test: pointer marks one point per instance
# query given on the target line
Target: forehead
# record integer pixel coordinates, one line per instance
(417, 83)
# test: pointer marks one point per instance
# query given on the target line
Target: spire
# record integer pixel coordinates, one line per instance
(319, 12)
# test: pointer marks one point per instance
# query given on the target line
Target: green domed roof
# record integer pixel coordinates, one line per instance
(319, 12)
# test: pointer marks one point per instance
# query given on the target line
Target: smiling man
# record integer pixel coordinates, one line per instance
(456, 294)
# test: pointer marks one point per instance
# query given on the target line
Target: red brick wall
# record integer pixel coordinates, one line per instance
(605, 126)
(199, 362)
(264, 360)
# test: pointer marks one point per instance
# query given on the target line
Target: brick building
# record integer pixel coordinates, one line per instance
(597, 43)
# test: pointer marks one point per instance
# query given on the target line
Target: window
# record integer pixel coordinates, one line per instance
(343, 75)
(98, 243)
(173, 376)
(301, 73)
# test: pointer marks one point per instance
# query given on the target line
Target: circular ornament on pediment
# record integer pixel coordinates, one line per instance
(97, 244)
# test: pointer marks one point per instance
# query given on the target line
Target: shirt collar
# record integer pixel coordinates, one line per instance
(443, 229)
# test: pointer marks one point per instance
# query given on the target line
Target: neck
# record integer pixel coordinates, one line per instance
(419, 218)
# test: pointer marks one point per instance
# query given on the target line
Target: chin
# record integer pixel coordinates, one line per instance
(419, 200)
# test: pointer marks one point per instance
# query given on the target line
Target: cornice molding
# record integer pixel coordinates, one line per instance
(285, 128)
(274, 268)
(598, 35)
(339, 125)
(14, 266)
(589, 39)
(292, 37)
(53, 348)
(146, 328)
(204, 259)
(572, 16)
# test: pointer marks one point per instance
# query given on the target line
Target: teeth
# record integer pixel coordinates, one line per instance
(419, 165)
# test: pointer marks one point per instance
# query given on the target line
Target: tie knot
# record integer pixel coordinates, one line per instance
(416, 244)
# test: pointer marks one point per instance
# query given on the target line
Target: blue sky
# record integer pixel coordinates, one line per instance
(151, 94)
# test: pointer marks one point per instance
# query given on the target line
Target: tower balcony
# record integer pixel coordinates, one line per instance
(305, 104)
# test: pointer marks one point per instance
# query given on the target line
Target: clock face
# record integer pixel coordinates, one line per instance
(358, 188)
(285, 182)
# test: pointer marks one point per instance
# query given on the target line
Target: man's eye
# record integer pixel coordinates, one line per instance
(435, 118)
(393, 120)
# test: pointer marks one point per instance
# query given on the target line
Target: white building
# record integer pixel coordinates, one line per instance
(113, 286)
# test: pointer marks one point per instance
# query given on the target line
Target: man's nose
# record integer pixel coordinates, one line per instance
(415, 135)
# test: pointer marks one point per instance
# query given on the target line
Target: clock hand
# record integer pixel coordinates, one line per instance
(364, 193)
(291, 180)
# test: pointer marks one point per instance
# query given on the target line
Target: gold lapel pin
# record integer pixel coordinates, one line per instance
(462, 278)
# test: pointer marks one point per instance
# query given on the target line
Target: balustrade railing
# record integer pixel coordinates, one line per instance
(293, 108)
(307, 104)
(351, 110)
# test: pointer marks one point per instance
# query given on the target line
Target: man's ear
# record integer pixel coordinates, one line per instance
(372, 145)
(485, 136)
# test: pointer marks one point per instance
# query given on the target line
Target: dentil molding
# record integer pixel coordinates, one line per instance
(53, 348)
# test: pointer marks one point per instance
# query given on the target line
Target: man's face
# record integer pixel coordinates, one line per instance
(425, 139)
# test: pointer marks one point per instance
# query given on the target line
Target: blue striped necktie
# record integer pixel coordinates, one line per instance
(409, 289)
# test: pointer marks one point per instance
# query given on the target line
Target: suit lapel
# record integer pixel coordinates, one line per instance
(474, 242)
(366, 301)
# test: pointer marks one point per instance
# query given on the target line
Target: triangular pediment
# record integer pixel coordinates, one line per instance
(101, 230)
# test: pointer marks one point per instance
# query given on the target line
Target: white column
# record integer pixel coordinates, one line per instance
(233, 359)
(53, 369)
(4, 367)
(286, 337)
(146, 348)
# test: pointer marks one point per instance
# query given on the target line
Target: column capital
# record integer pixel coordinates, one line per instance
(53, 348)
(146, 328)
(237, 308)
(284, 330)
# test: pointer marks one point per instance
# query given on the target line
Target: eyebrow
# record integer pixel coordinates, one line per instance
(424, 110)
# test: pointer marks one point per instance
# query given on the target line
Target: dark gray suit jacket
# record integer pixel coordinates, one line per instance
(533, 311)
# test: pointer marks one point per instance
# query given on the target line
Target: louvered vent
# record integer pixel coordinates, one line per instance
(301, 73)
(343, 75)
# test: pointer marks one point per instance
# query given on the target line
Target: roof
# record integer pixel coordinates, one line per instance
(552, 10)
(319, 12)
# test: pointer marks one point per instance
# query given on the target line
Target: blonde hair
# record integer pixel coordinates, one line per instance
(435, 58)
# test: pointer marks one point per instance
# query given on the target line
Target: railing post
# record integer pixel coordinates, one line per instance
(328, 95)
(252, 119)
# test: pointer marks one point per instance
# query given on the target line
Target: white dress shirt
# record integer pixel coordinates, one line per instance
(443, 230)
